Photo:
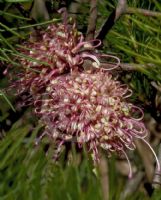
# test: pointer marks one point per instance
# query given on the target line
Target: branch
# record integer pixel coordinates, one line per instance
(157, 175)
(129, 66)
(73, 9)
(132, 185)
(39, 10)
(143, 151)
(92, 20)
(114, 16)
(103, 168)
(156, 86)
(145, 12)
(120, 10)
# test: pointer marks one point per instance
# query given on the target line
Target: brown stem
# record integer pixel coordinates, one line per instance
(73, 9)
(92, 20)
(131, 10)
(132, 185)
(103, 168)
(129, 66)
(157, 175)
(143, 151)
(120, 10)
(114, 16)
(39, 10)
(156, 86)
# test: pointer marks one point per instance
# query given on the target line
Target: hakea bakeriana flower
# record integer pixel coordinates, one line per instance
(59, 49)
(90, 108)
(87, 107)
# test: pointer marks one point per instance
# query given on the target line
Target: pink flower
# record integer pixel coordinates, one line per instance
(90, 108)
(58, 50)
(86, 107)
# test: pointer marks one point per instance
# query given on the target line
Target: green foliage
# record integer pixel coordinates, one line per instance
(137, 38)
(7, 100)
(27, 173)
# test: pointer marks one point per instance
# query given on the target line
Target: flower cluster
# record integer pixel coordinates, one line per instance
(59, 49)
(90, 108)
(85, 106)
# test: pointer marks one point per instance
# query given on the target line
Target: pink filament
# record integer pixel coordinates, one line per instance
(110, 56)
(82, 44)
(157, 161)
(130, 168)
(85, 55)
